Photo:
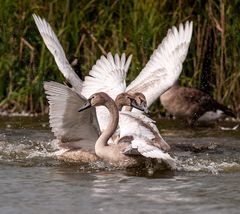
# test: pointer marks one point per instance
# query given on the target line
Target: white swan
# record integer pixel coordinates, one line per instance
(76, 130)
(109, 75)
(55, 48)
(160, 73)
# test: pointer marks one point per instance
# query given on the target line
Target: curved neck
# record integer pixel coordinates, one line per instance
(119, 106)
(101, 143)
(122, 102)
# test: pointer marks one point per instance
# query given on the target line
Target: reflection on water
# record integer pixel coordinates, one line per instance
(33, 181)
(66, 190)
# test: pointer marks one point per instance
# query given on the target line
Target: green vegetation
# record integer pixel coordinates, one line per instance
(90, 28)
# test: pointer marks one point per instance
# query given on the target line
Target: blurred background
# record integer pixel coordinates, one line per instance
(88, 29)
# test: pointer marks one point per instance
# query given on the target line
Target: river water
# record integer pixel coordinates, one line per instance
(32, 181)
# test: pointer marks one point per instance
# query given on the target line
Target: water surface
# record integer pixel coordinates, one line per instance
(32, 181)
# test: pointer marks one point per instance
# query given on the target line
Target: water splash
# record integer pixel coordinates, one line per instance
(200, 164)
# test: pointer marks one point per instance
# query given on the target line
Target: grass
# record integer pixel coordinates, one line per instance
(89, 29)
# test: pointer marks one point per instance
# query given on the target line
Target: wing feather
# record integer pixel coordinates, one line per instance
(141, 126)
(130, 126)
(51, 41)
(143, 146)
(69, 125)
(151, 151)
(107, 75)
(165, 64)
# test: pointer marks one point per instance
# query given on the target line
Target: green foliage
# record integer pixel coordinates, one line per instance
(89, 29)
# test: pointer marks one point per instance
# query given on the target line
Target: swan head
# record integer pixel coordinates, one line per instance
(125, 99)
(97, 99)
(141, 101)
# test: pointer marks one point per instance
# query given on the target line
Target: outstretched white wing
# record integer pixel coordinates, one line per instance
(165, 64)
(69, 125)
(51, 41)
(107, 75)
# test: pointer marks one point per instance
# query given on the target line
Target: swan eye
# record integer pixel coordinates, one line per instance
(143, 101)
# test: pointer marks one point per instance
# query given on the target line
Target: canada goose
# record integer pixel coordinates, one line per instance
(74, 131)
(108, 75)
(193, 105)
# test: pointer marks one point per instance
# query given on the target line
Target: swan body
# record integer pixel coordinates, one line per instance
(109, 74)
(119, 153)
(116, 71)
(64, 101)
(161, 72)
(193, 105)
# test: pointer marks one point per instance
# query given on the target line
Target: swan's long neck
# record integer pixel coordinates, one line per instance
(119, 106)
(122, 102)
(101, 143)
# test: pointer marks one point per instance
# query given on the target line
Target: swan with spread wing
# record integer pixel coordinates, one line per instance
(160, 73)
(109, 73)
(75, 129)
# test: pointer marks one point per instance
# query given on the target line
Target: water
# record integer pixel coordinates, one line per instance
(32, 181)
